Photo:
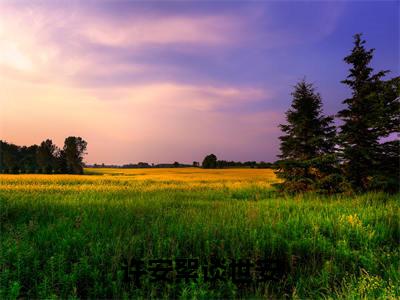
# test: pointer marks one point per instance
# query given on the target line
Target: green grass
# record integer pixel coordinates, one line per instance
(72, 244)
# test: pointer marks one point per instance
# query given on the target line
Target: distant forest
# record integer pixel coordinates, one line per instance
(315, 155)
(217, 164)
(45, 158)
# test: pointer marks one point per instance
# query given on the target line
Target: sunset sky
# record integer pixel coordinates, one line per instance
(176, 80)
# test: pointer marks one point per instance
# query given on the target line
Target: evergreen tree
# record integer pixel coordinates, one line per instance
(371, 114)
(386, 174)
(388, 106)
(308, 146)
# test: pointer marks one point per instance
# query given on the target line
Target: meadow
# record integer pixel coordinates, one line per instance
(72, 236)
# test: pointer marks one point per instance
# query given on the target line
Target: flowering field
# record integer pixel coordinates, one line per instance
(142, 179)
(71, 236)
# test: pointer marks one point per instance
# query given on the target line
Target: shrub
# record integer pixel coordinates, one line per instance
(333, 183)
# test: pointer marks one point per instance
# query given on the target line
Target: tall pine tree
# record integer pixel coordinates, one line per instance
(386, 173)
(371, 114)
(307, 148)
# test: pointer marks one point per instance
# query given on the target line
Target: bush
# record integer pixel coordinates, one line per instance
(384, 183)
(296, 186)
(333, 183)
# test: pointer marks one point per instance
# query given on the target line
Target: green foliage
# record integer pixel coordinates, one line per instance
(320, 174)
(333, 183)
(384, 183)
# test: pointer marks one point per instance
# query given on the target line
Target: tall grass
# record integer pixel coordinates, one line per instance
(70, 236)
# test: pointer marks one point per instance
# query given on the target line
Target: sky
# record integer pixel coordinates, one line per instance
(165, 81)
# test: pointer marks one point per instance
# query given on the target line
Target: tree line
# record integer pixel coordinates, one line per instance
(214, 163)
(45, 158)
(362, 155)
(142, 165)
(211, 162)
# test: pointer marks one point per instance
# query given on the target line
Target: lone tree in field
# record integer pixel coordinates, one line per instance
(308, 144)
(74, 149)
(372, 113)
(209, 162)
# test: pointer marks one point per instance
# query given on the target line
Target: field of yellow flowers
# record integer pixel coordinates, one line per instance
(98, 235)
(141, 179)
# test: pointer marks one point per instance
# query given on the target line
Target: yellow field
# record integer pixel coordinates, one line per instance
(142, 179)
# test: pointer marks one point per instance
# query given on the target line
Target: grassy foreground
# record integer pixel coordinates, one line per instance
(66, 236)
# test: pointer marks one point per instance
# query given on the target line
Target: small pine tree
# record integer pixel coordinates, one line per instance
(308, 146)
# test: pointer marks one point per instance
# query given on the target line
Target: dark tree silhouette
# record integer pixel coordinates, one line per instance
(74, 149)
(9, 157)
(210, 162)
(61, 162)
(45, 156)
(371, 113)
(386, 173)
(28, 162)
(307, 148)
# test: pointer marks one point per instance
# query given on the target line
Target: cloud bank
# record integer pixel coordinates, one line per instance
(157, 83)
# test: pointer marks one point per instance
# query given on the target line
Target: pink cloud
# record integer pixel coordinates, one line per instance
(184, 119)
(55, 44)
(138, 31)
(42, 95)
